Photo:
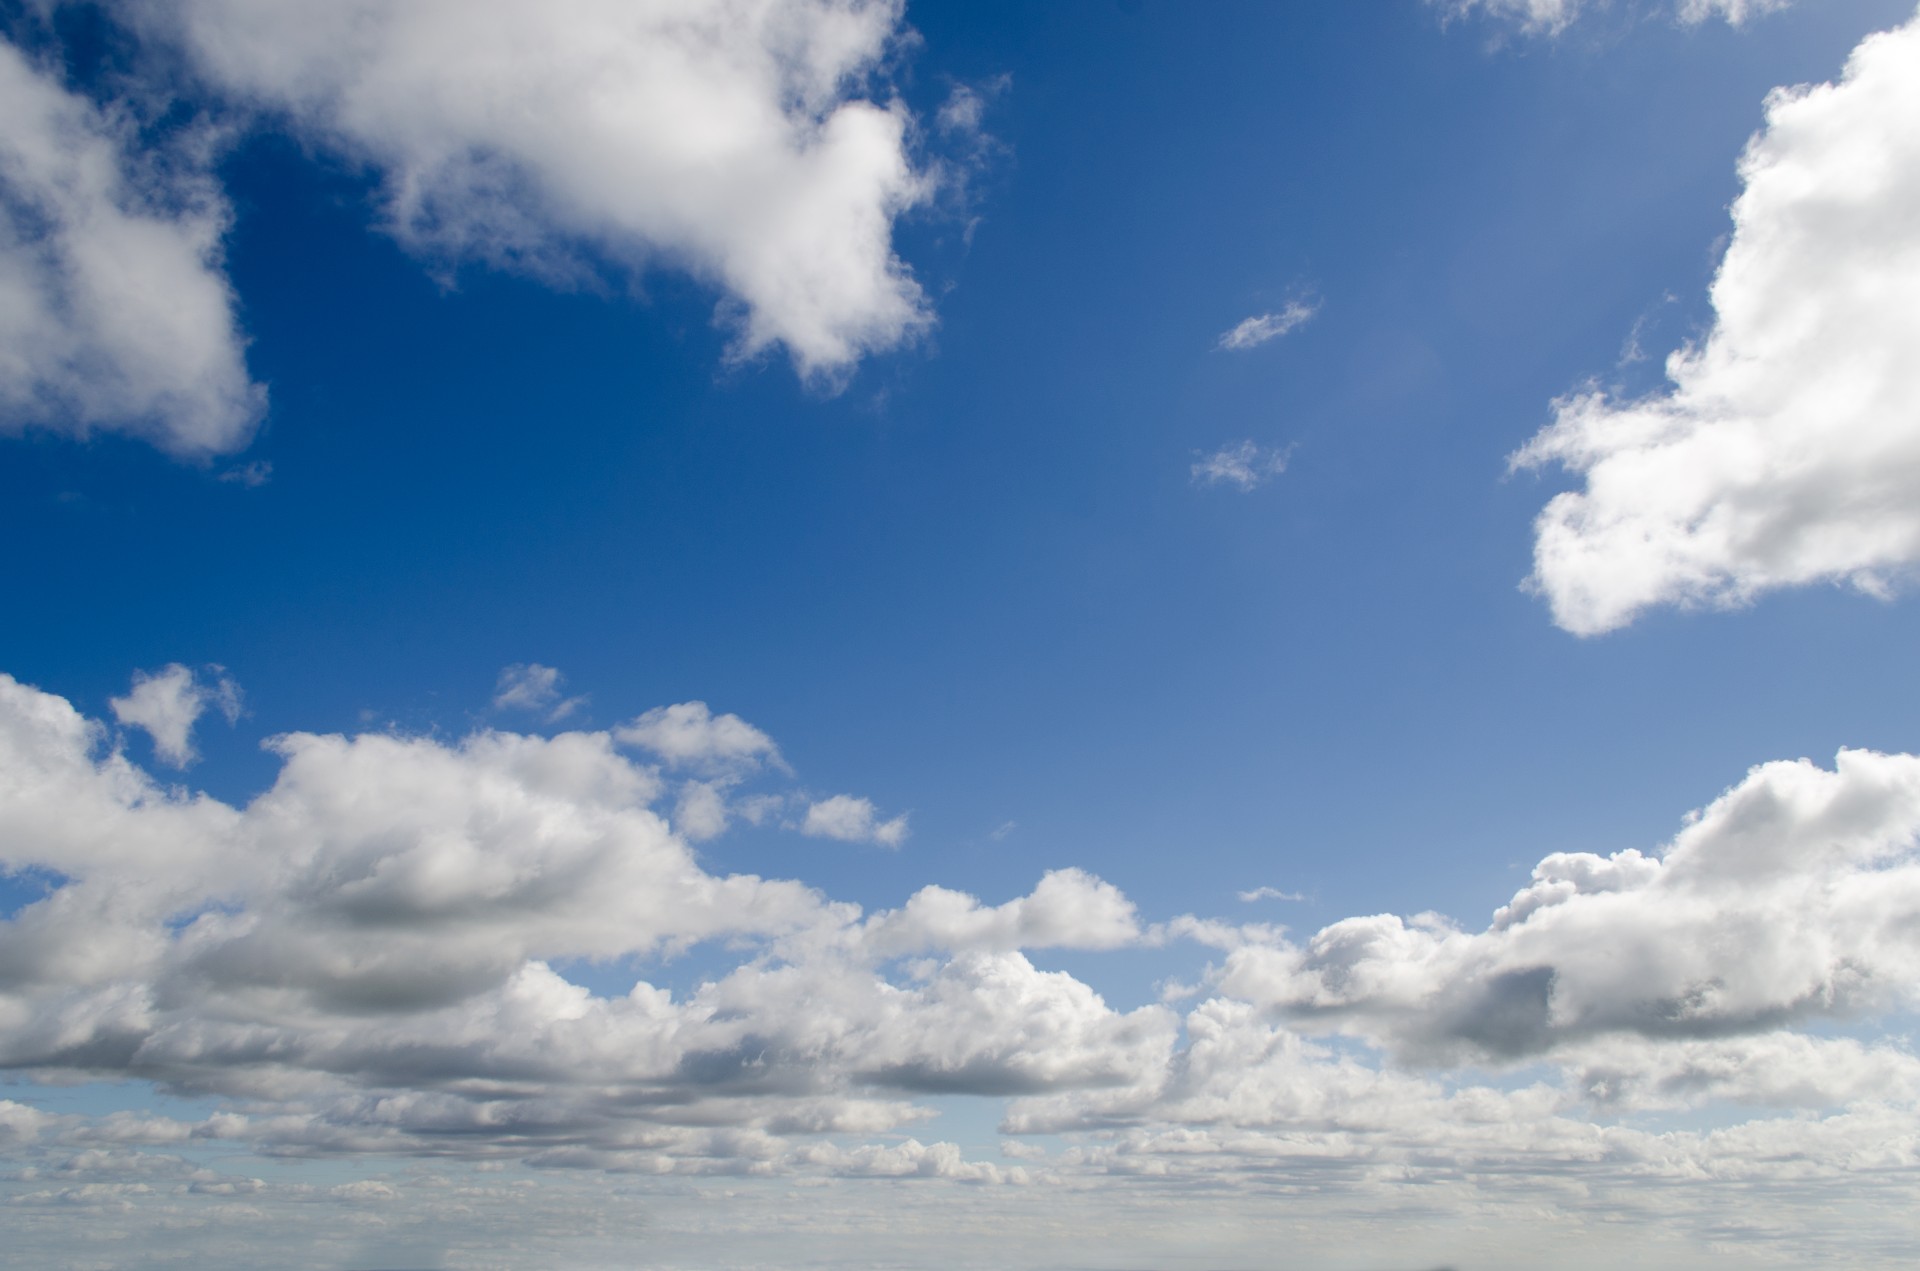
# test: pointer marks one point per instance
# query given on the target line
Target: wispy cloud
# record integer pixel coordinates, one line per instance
(1550, 17)
(1243, 465)
(1269, 893)
(529, 686)
(1261, 327)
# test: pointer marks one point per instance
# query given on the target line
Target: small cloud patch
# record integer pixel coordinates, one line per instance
(1261, 327)
(1244, 465)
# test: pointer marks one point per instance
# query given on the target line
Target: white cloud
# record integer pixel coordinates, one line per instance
(114, 313)
(735, 140)
(1550, 17)
(1791, 898)
(386, 916)
(1257, 330)
(1268, 893)
(529, 686)
(1788, 449)
(701, 812)
(689, 734)
(1532, 15)
(853, 820)
(366, 960)
(168, 703)
(1244, 465)
(1070, 909)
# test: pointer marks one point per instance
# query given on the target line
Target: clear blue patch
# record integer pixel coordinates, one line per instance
(24, 887)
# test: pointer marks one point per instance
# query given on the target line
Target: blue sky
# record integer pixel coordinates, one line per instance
(643, 493)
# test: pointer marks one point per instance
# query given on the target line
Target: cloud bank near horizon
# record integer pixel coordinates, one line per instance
(371, 957)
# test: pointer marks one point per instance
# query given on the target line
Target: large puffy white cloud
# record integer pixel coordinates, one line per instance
(735, 140)
(389, 913)
(1793, 898)
(1787, 450)
(115, 315)
(375, 958)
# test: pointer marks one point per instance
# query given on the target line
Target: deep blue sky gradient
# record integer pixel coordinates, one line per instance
(978, 583)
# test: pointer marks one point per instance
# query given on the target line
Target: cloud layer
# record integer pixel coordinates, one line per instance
(1787, 450)
(371, 958)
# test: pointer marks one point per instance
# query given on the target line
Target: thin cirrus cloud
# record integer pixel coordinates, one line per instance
(1786, 449)
(1243, 466)
(1267, 893)
(115, 313)
(368, 957)
(1261, 327)
(1550, 17)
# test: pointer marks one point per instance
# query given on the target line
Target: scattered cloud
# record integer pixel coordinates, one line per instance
(1244, 465)
(1261, 327)
(168, 703)
(1786, 450)
(1268, 893)
(529, 686)
(1550, 17)
(363, 960)
(252, 475)
(115, 315)
(689, 735)
(853, 820)
(736, 141)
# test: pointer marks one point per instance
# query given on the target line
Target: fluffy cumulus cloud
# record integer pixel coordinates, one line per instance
(167, 704)
(387, 917)
(115, 315)
(737, 140)
(375, 959)
(852, 819)
(1787, 449)
(1790, 900)
(689, 734)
